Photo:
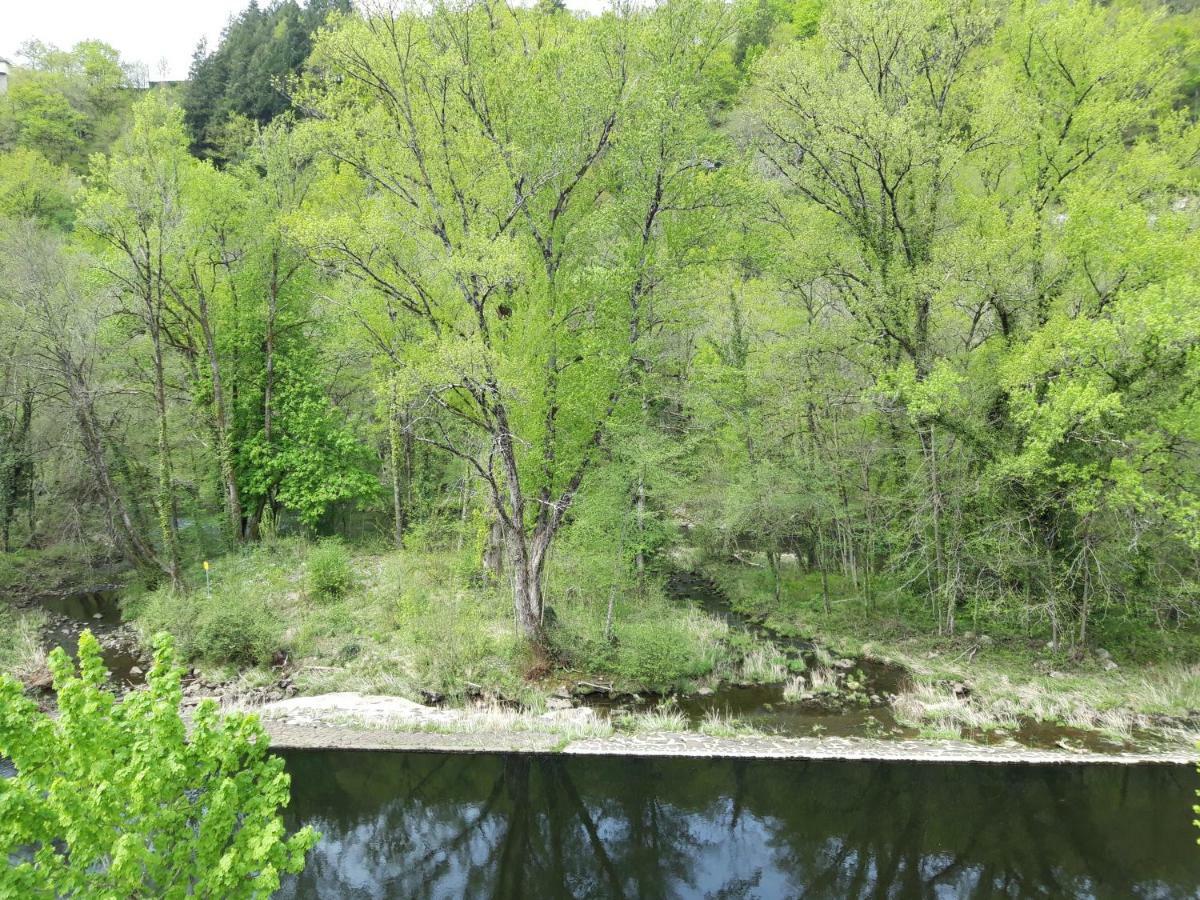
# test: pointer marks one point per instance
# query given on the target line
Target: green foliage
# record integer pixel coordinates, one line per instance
(118, 800)
(234, 624)
(328, 569)
(66, 104)
(236, 628)
(31, 187)
(245, 76)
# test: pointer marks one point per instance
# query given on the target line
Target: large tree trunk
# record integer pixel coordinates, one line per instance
(527, 559)
(16, 469)
(399, 472)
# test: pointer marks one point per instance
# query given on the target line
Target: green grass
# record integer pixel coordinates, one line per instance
(403, 622)
(25, 572)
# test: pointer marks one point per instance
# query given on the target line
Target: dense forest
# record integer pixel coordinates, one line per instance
(882, 306)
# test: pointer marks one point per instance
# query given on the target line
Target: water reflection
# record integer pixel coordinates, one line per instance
(428, 825)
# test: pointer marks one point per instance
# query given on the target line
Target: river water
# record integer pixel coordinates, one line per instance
(518, 826)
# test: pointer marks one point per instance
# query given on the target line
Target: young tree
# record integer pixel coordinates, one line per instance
(135, 208)
(116, 799)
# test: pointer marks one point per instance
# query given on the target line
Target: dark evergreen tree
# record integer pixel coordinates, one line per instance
(244, 75)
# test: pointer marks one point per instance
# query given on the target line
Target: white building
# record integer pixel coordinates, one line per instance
(3, 74)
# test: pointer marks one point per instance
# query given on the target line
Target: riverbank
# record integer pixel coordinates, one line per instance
(715, 655)
(993, 678)
(355, 722)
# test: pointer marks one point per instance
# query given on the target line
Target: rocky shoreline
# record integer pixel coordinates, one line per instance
(350, 721)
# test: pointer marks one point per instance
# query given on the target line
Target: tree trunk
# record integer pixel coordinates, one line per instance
(527, 556)
(165, 496)
(16, 475)
(134, 546)
(233, 500)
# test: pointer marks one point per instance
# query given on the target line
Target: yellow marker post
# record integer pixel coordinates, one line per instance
(207, 583)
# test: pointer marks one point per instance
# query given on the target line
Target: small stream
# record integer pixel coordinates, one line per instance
(863, 712)
(98, 609)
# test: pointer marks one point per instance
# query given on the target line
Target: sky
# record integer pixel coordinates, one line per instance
(153, 32)
(147, 31)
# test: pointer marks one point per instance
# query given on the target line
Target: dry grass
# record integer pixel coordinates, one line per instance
(22, 654)
(823, 680)
(764, 665)
(664, 717)
(719, 724)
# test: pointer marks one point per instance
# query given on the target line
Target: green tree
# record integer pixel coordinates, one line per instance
(118, 800)
(245, 76)
(520, 187)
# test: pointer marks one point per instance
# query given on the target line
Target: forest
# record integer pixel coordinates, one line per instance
(425, 346)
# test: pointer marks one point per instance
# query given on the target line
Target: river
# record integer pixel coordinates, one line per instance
(522, 826)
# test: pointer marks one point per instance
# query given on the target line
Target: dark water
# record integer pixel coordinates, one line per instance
(100, 611)
(510, 826)
(99, 607)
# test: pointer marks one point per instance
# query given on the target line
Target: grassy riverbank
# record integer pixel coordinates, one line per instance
(411, 623)
(416, 624)
(994, 675)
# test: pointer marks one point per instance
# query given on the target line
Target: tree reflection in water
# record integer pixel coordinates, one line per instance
(512, 826)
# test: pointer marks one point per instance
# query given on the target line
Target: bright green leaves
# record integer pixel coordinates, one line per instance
(313, 459)
(113, 800)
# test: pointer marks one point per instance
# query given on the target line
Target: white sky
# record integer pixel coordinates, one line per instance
(146, 31)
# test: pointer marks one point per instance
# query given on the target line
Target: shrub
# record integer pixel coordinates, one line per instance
(330, 574)
(236, 628)
(163, 610)
(132, 806)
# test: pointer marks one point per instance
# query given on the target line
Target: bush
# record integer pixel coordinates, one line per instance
(133, 806)
(236, 629)
(330, 574)
(660, 649)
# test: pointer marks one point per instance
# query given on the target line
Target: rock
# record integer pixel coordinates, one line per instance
(1102, 654)
(1108, 665)
(968, 635)
(986, 640)
(579, 715)
(561, 692)
(844, 664)
(98, 616)
(136, 670)
(705, 692)
(558, 703)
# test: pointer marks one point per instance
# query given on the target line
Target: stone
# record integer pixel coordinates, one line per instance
(1108, 665)
(986, 640)
(557, 703)
(705, 692)
(136, 670)
(844, 664)
(579, 715)
(1101, 653)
